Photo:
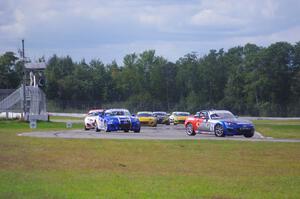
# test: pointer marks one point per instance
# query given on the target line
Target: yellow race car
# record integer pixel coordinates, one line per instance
(178, 117)
(147, 118)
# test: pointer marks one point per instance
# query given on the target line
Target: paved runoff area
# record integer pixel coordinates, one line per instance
(161, 132)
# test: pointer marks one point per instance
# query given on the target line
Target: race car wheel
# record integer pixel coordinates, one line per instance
(86, 128)
(190, 130)
(126, 130)
(96, 127)
(106, 127)
(249, 134)
(137, 131)
(219, 131)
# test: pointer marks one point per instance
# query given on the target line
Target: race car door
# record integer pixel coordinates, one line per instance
(204, 126)
(102, 120)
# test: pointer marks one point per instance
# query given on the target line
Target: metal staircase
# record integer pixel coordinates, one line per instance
(7, 103)
(35, 103)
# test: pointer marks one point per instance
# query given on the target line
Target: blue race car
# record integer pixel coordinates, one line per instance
(117, 119)
(219, 122)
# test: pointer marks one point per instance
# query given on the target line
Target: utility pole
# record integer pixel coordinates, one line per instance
(23, 51)
(24, 81)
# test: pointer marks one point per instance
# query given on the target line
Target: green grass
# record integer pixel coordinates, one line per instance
(279, 128)
(64, 118)
(75, 168)
(14, 126)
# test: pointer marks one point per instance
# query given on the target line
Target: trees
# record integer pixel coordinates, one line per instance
(11, 70)
(246, 79)
(59, 78)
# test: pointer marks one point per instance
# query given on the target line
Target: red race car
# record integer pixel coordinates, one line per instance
(218, 122)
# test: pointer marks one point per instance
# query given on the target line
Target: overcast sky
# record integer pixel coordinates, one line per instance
(111, 29)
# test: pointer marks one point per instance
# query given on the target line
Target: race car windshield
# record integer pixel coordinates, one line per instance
(160, 114)
(222, 115)
(115, 113)
(145, 115)
(94, 113)
(182, 114)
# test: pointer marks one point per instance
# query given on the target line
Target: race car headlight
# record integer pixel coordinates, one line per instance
(135, 119)
(229, 123)
(88, 120)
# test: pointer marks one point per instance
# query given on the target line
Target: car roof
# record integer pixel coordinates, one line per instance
(159, 112)
(178, 112)
(214, 111)
(219, 111)
(141, 112)
(116, 109)
(95, 110)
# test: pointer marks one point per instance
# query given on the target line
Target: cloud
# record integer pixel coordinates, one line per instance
(208, 17)
(111, 29)
(291, 35)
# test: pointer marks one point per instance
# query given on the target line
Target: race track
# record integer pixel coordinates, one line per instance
(161, 132)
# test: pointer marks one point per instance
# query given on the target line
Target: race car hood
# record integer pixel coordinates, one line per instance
(146, 119)
(161, 116)
(91, 117)
(180, 117)
(237, 121)
(121, 117)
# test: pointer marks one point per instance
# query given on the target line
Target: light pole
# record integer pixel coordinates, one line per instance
(24, 81)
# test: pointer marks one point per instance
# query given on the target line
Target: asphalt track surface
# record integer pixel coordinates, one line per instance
(161, 132)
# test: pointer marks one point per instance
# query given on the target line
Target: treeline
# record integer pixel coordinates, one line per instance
(248, 80)
(11, 71)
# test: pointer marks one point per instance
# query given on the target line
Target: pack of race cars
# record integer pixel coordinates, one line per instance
(218, 122)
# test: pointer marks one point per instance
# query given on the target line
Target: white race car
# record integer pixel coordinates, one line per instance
(90, 119)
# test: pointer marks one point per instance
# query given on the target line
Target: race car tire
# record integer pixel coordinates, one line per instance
(137, 131)
(219, 131)
(126, 130)
(96, 127)
(86, 128)
(190, 130)
(106, 127)
(249, 134)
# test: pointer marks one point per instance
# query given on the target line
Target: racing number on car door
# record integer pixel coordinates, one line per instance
(204, 126)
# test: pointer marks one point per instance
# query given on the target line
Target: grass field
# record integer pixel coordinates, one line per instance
(74, 168)
(64, 118)
(279, 128)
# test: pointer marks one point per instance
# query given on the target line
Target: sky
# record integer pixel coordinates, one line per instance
(108, 30)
